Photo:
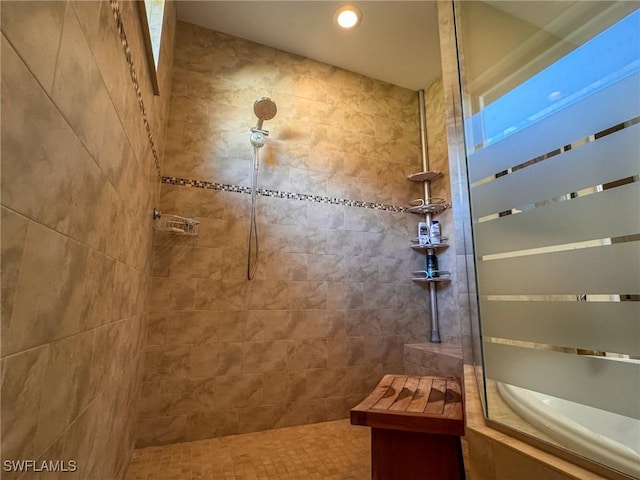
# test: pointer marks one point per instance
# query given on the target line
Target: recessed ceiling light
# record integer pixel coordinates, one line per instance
(347, 17)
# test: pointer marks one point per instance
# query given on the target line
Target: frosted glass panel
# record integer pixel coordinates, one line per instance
(599, 382)
(571, 171)
(607, 108)
(602, 326)
(609, 214)
(605, 60)
(554, 182)
(610, 269)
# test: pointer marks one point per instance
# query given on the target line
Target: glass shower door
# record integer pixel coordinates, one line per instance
(552, 133)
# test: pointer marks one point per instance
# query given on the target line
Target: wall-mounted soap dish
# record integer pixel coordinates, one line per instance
(174, 224)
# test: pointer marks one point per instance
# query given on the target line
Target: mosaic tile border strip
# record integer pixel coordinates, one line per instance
(115, 7)
(184, 182)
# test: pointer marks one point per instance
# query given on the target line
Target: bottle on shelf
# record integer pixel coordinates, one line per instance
(434, 232)
(432, 266)
(423, 233)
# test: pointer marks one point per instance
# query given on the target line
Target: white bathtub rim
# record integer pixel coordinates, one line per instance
(569, 433)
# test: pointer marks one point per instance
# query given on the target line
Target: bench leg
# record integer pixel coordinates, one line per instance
(399, 455)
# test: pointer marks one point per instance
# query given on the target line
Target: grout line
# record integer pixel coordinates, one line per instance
(65, 337)
(30, 220)
(118, 114)
(54, 105)
(55, 64)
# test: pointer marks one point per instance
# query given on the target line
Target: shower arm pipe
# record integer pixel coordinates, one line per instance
(435, 326)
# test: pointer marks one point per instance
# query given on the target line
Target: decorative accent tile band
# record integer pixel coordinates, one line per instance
(115, 7)
(282, 194)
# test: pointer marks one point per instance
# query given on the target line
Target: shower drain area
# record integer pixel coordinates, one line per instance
(330, 450)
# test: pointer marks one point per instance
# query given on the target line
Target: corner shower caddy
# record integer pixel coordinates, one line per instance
(428, 206)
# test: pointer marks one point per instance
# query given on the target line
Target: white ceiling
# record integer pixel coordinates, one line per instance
(397, 41)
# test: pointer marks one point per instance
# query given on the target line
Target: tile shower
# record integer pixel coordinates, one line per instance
(114, 335)
(160, 338)
(332, 304)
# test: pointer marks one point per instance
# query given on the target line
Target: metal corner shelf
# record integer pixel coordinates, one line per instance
(428, 205)
(429, 246)
(429, 208)
(443, 277)
(424, 176)
(432, 280)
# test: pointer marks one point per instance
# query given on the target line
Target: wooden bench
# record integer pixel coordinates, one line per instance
(416, 424)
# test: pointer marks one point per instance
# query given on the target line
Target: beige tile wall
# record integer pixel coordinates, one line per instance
(78, 185)
(332, 304)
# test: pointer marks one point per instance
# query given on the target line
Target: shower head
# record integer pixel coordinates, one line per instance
(265, 109)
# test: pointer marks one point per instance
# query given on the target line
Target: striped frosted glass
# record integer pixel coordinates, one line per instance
(610, 269)
(555, 200)
(599, 382)
(600, 326)
(610, 106)
(582, 167)
(608, 214)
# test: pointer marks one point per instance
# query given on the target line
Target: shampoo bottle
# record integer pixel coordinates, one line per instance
(423, 233)
(434, 232)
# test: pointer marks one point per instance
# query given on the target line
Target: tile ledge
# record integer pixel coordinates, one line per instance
(474, 421)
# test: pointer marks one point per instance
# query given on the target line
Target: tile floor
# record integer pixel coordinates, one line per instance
(330, 450)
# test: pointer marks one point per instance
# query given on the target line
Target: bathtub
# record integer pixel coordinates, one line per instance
(604, 437)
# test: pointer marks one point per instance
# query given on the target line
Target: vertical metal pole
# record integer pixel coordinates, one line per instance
(435, 326)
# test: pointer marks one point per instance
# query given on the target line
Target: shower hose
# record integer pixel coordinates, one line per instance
(253, 252)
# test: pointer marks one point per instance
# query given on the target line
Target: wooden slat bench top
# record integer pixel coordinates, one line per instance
(414, 404)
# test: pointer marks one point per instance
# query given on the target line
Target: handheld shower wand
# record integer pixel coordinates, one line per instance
(265, 109)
